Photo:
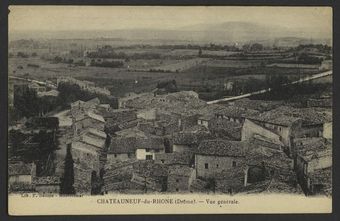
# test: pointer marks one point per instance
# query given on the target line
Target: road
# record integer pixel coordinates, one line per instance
(54, 86)
(308, 78)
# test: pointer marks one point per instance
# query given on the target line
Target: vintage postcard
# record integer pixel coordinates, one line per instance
(169, 110)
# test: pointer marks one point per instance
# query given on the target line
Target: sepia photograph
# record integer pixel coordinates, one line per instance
(169, 109)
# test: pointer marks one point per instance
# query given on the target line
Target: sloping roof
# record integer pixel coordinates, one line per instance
(150, 169)
(121, 145)
(275, 118)
(95, 116)
(315, 150)
(259, 105)
(19, 168)
(97, 132)
(223, 127)
(47, 180)
(307, 115)
(220, 147)
(234, 111)
(180, 170)
(190, 138)
(175, 158)
(152, 142)
(272, 158)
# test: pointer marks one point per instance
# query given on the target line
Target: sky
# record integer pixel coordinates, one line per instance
(83, 18)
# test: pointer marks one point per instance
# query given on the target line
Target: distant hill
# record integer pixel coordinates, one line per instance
(228, 33)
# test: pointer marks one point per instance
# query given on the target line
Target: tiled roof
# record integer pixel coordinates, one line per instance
(234, 111)
(308, 115)
(180, 170)
(19, 168)
(95, 116)
(152, 142)
(190, 138)
(150, 169)
(259, 105)
(315, 150)
(275, 118)
(221, 147)
(226, 127)
(121, 145)
(175, 158)
(275, 159)
(46, 180)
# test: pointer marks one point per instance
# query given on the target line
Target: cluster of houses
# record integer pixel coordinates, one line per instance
(176, 142)
(31, 152)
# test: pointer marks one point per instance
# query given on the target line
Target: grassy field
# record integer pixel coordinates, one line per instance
(139, 75)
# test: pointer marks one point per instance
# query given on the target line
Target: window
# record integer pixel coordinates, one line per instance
(280, 128)
(129, 155)
(147, 150)
(148, 157)
(115, 155)
(216, 165)
(162, 161)
(176, 189)
(234, 163)
(206, 166)
(177, 180)
(156, 151)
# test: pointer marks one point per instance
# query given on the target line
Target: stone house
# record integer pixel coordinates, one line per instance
(82, 121)
(150, 175)
(147, 148)
(121, 149)
(235, 114)
(48, 184)
(188, 141)
(87, 148)
(205, 120)
(311, 160)
(215, 156)
(225, 129)
(276, 128)
(20, 175)
(175, 158)
(179, 178)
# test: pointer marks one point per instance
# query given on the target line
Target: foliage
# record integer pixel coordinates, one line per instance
(67, 181)
(26, 101)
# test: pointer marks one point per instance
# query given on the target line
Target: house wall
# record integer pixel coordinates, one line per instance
(86, 123)
(216, 164)
(152, 183)
(320, 163)
(250, 128)
(180, 148)
(188, 122)
(47, 188)
(141, 154)
(203, 122)
(85, 155)
(309, 131)
(147, 114)
(20, 179)
(178, 183)
(328, 130)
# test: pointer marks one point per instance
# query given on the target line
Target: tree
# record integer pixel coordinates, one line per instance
(67, 180)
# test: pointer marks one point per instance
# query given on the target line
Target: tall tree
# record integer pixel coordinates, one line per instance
(67, 180)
